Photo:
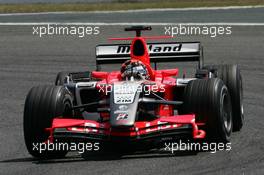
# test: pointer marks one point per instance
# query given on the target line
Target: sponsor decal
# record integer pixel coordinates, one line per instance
(125, 99)
(161, 126)
(122, 116)
(122, 109)
(124, 93)
(157, 48)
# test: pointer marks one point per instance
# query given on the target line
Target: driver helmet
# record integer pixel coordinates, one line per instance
(135, 69)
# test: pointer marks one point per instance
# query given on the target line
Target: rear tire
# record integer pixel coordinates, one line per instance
(61, 78)
(43, 103)
(232, 78)
(209, 100)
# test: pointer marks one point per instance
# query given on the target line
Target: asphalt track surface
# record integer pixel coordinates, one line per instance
(27, 60)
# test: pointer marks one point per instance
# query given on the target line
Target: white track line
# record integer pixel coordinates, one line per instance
(129, 24)
(135, 11)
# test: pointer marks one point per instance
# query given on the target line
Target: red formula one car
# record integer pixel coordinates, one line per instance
(136, 106)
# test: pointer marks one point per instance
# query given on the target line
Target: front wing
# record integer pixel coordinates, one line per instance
(79, 130)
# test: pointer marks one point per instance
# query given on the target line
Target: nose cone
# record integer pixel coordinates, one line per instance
(124, 103)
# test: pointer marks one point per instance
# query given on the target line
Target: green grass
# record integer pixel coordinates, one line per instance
(15, 8)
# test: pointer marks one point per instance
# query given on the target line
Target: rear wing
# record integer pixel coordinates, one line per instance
(159, 52)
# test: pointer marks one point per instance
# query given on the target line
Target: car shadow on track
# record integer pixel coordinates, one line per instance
(101, 157)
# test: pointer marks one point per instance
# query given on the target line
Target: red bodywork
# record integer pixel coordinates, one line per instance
(167, 122)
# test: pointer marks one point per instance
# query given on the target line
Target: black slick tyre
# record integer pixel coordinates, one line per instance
(210, 101)
(42, 104)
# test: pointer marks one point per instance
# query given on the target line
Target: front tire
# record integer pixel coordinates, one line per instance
(43, 103)
(209, 100)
